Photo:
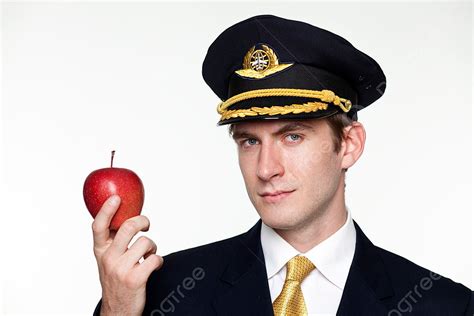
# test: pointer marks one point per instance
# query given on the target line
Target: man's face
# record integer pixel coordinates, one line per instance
(290, 169)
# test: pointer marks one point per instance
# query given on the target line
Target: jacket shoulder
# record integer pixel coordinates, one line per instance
(189, 279)
(419, 289)
(215, 254)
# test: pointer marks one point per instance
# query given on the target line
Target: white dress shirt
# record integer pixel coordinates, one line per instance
(322, 288)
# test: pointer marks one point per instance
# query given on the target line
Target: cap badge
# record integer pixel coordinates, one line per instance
(261, 62)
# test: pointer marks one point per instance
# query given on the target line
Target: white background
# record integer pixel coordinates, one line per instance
(81, 79)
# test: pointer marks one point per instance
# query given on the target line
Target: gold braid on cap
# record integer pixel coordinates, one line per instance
(326, 96)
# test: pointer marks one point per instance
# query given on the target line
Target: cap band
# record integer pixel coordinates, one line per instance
(327, 96)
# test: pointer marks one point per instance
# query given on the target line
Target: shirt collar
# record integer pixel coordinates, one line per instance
(332, 257)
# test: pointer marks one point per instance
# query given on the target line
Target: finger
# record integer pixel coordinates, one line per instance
(101, 223)
(140, 247)
(153, 262)
(148, 253)
(126, 232)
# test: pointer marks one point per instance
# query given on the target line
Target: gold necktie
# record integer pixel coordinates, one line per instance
(291, 301)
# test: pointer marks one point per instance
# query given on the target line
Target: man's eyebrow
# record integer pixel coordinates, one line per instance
(292, 126)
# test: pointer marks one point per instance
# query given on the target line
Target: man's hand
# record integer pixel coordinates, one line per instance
(122, 276)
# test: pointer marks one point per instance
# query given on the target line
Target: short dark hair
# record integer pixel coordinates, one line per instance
(336, 122)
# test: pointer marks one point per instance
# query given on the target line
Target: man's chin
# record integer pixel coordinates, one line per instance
(277, 218)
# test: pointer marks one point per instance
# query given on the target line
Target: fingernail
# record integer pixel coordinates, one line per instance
(114, 200)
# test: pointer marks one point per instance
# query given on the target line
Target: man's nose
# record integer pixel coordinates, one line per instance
(269, 162)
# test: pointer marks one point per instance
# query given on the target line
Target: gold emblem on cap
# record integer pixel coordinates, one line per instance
(259, 63)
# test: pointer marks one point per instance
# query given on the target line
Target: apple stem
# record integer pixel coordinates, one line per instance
(112, 159)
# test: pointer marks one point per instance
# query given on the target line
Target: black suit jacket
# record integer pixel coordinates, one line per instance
(228, 277)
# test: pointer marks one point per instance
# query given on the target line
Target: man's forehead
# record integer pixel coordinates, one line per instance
(275, 125)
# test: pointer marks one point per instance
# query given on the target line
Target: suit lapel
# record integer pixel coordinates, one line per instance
(244, 289)
(368, 284)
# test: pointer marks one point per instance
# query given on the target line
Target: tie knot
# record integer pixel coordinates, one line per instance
(298, 268)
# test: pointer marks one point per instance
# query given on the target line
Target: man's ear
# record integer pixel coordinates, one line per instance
(352, 144)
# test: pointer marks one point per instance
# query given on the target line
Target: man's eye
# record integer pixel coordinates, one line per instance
(293, 137)
(249, 142)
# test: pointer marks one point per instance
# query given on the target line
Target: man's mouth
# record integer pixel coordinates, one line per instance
(275, 196)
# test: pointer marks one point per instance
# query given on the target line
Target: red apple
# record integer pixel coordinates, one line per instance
(103, 183)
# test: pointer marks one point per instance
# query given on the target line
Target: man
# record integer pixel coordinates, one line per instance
(290, 92)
